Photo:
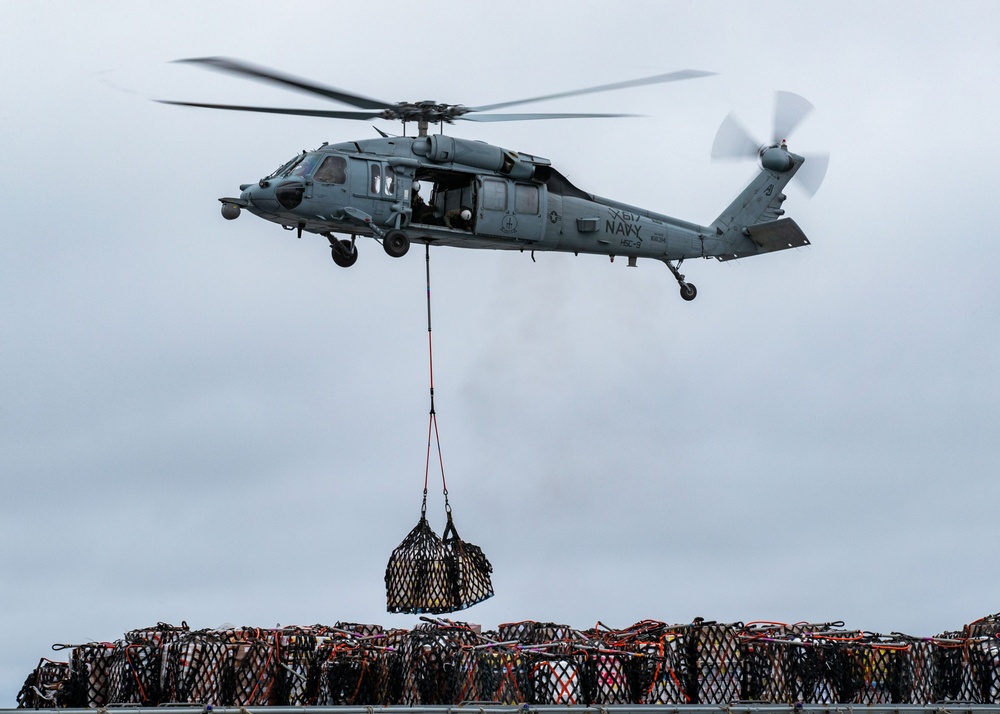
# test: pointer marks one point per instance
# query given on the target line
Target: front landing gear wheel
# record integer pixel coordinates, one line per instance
(396, 243)
(689, 292)
(343, 253)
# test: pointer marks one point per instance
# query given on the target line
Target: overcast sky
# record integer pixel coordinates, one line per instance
(209, 421)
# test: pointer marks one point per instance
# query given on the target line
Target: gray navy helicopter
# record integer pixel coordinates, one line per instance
(442, 190)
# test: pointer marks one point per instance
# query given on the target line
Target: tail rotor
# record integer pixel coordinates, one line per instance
(734, 142)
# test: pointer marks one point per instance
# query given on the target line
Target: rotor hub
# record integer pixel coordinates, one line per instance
(776, 158)
(426, 111)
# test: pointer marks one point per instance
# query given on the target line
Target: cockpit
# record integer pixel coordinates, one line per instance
(331, 168)
(291, 177)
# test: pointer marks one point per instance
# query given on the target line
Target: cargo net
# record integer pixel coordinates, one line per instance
(441, 662)
(428, 574)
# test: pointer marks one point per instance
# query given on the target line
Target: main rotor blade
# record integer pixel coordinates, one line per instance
(277, 110)
(734, 141)
(527, 117)
(223, 64)
(657, 79)
(789, 110)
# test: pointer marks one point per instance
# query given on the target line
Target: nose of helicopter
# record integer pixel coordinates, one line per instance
(271, 197)
(261, 196)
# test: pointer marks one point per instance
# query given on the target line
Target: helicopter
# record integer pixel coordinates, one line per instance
(483, 196)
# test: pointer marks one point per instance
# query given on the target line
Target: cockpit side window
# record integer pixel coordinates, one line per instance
(389, 185)
(332, 170)
(375, 185)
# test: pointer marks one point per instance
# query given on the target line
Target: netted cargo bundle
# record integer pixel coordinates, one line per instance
(713, 667)
(253, 663)
(135, 676)
(348, 675)
(197, 668)
(136, 673)
(49, 686)
(360, 665)
(984, 666)
(944, 659)
(555, 679)
(440, 663)
(658, 670)
(552, 660)
(91, 667)
(298, 674)
(801, 671)
(888, 673)
(392, 667)
(606, 676)
(501, 674)
(427, 574)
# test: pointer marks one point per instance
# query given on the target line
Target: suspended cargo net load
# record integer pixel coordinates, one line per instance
(427, 573)
(441, 662)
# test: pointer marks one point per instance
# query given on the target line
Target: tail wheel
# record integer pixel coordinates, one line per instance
(396, 243)
(689, 291)
(343, 253)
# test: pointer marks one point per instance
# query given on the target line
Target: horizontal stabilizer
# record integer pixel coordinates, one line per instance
(767, 238)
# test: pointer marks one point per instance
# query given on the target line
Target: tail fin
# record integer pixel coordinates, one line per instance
(751, 225)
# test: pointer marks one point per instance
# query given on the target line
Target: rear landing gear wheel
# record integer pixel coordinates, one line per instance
(396, 243)
(688, 290)
(343, 253)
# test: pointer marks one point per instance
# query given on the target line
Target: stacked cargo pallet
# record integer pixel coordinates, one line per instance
(441, 662)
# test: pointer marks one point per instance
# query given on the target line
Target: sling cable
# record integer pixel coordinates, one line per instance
(428, 573)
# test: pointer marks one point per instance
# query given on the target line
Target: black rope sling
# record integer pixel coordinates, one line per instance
(427, 573)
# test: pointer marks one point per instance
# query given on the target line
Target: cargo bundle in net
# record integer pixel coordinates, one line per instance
(428, 574)
(441, 662)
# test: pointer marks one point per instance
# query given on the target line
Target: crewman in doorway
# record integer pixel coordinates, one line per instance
(459, 218)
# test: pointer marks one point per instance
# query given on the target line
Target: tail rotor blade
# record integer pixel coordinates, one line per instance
(812, 172)
(733, 141)
(789, 110)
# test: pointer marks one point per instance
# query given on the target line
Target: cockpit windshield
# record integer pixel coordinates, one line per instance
(304, 167)
(301, 165)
